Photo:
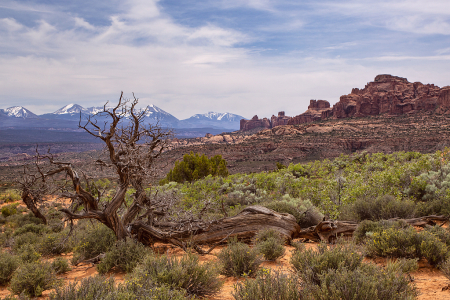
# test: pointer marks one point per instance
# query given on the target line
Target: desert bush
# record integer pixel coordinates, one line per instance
(406, 242)
(432, 248)
(55, 244)
(284, 207)
(268, 284)
(5, 236)
(310, 264)
(38, 229)
(9, 210)
(238, 259)
(28, 254)
(99, 287)
(393, 242)
(60, 265)
(304, 212)
(33, 278)
(19, 220)
(8, 264)
(367, 228)
(26, 238)
(367, 281)
(92, 240)
(443, 234)
(10, 195)
(381, 208)
(193, 167)
(185, 273)
(124, 255)
(270, 244)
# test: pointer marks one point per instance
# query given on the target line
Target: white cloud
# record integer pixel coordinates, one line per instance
(80, 22)
(188, 69)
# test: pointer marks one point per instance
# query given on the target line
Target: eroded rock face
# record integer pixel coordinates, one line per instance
(282, 119)
(255, 122)
(315, 111)
(387, 94)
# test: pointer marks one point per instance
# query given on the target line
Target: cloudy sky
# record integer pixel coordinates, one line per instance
(192, 56)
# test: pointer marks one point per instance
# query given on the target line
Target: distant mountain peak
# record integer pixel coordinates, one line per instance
(71, 109)
(216, 116)
(19, 112)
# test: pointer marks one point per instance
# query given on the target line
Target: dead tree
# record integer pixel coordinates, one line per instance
(132, 149)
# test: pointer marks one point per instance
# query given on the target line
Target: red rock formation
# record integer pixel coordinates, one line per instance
(387, 94)
(315, 111)
(282, 119)
(444, 100)
(255, 122)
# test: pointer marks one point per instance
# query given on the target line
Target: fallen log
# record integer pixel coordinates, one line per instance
(244, 226)
(328, 231)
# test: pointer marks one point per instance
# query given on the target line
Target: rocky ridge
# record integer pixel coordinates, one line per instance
(386, 95)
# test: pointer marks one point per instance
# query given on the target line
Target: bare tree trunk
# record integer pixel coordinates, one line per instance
(29, 202)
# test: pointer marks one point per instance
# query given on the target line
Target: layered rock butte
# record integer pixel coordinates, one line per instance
(386, 95)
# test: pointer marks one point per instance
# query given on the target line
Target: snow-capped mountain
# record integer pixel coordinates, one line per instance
(212, 119)
(73, 109)
(19, 112)
(215, 116)
(154, 113)
(69, 116)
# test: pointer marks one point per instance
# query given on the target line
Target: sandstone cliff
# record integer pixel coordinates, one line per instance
(386, 95)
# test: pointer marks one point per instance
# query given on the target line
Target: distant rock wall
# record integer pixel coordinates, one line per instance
(387, 94)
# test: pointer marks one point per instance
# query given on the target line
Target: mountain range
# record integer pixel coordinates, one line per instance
(67, 117)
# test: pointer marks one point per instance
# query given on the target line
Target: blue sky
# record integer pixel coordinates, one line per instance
(241, 56)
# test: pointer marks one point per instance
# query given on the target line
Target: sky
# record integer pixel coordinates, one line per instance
(193, 56)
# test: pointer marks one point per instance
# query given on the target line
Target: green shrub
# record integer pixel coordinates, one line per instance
(238, 259)
(55, 244)
(19, 220)
(193, 167)
(381, 208)
(5, 236)
(10, 196)
(367, 281)
(33, 278)
(310, 264)
(92, 240)
(284, 207)
(270, 244)
(184, 273)
(442, 234)
(393, 242)
(8, 264)
(406, 242)
(26, 238)
(271, 249)
(28, 253)
(9, 210)
(99, 287)
(38, 229)
(125, 255)
(304, 212)
(432, 248)
(60, 265)
(268, 284)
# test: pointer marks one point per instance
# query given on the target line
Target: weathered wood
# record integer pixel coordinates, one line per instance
(245, 225)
